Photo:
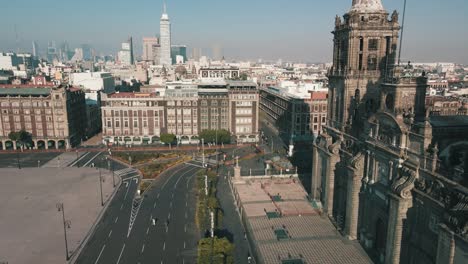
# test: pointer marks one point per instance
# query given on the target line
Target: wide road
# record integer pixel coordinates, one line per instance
(126, 233)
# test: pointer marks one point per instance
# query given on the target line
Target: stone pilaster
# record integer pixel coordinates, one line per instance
(355, 175)
(316, 168)
(333, 159)
(401, 200)
(397, 213)
(445, 246)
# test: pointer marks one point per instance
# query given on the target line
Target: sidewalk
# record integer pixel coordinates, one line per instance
(231, 220)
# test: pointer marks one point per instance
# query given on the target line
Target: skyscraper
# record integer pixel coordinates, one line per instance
(126, 53)
(148, 44)
(178, 50)
(35, 49)
(165, 39)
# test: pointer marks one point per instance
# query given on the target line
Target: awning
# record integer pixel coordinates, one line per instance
(127, 139)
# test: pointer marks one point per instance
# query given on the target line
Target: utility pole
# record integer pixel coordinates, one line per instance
(66, 224)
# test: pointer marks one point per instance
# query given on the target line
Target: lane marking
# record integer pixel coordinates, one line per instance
(143, 248)
(170, 204)
(78, 160)
(184, 244)
(125, 197)
(151, 217)
(120, 256)
(147, 230)
(185, 228)
(169, 216)
(100, 253)
(117, 218)
(121, 206)
(164, 246)
(154, 206)
(89, 161)
(110, 233)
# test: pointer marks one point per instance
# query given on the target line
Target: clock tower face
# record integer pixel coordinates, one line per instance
(389, 102)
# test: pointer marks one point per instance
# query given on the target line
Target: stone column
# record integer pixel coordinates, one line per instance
(397, 213)
(445, 246)
(355, 175)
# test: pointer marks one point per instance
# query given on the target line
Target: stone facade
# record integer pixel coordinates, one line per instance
(375, 166)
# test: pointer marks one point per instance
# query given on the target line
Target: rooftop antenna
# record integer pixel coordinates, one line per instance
(17, 39)
(164, 7)
(402, 31)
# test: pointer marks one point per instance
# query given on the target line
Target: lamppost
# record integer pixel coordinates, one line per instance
(66, 224)
(18, 161)
(100, 185)
(109, 168)
(203, 152)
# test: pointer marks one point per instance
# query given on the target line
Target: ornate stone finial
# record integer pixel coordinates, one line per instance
(395, 16)
(367, 6)
(405, 183)
(337, 21)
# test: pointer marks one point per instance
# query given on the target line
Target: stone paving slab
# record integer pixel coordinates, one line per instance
(31, 228)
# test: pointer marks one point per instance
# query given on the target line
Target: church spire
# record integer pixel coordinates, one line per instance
(367, 6)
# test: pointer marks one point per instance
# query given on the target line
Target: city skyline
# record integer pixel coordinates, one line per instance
(262, 23)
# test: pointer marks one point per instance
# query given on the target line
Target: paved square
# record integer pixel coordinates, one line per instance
(31, 228)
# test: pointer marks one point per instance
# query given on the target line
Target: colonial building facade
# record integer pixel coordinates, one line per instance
(55, 117)
(185, 109)
(375, 166)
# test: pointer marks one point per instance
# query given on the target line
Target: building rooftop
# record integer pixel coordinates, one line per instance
(25, 91)
(132, 95)
(449, 121)
(285, 228)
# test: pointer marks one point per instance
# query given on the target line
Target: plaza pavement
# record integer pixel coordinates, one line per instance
(31, 227)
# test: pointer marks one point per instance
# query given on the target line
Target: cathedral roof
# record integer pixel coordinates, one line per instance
(367, 6)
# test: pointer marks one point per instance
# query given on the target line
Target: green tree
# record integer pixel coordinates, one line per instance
(221, 249)
(168, 138)
(212, 136)
(22, 137)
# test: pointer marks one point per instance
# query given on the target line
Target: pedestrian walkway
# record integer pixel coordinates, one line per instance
(61, 161)
(124, 172)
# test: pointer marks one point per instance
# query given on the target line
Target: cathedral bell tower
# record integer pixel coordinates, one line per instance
(364, 52)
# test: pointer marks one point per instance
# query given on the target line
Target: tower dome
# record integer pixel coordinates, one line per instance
(367, 6)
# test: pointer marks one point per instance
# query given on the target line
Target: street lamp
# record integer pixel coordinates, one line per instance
(66, 224)
(18, 160)
(100, 185)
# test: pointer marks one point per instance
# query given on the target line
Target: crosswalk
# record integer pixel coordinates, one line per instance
(124, 172)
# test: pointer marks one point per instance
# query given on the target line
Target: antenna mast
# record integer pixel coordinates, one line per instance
(17, 39)
(402, 31)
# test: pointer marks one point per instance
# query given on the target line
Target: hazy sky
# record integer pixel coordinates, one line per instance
(298, 30)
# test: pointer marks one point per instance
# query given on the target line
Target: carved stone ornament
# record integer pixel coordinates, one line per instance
(337, 21)
(335, 148)
(457, 216)
(357, 161)
(454, 201)
(405, 183)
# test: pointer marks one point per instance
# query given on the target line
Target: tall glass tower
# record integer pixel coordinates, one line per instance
(165, 39)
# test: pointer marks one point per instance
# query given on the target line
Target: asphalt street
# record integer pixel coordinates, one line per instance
(126, 233)
(26, 160)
